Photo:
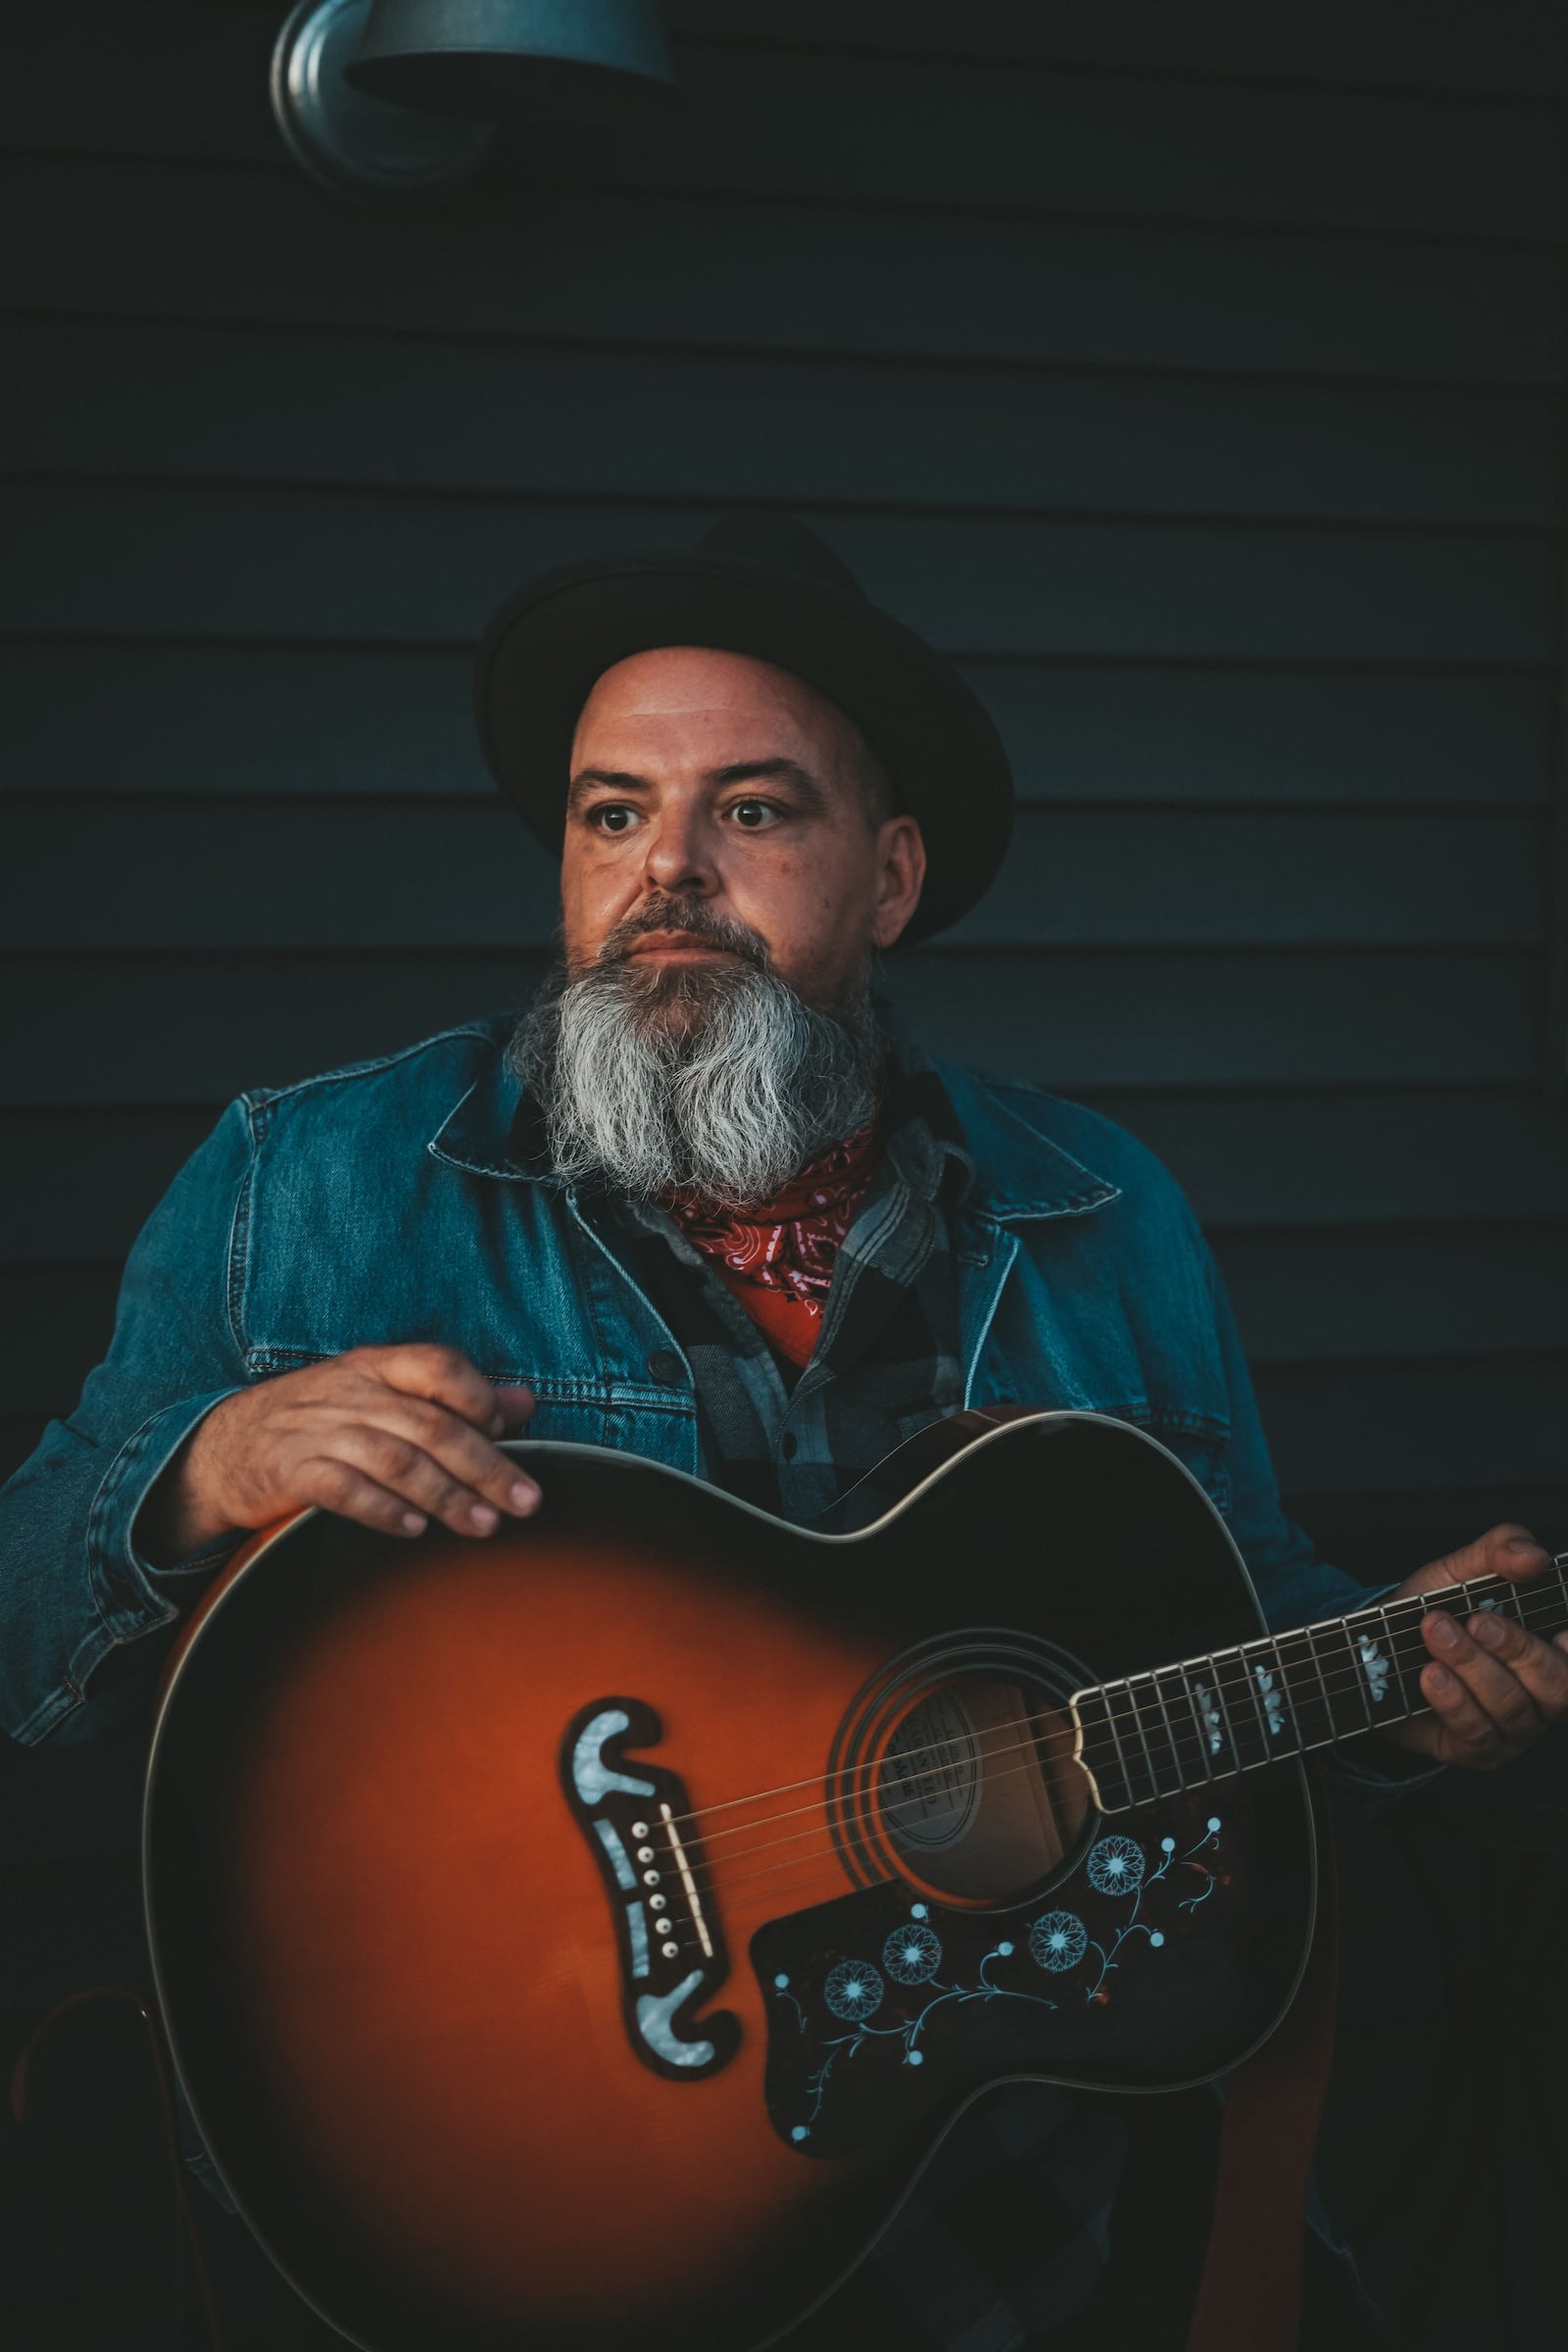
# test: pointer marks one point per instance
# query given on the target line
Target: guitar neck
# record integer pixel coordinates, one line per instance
(1206, 1717)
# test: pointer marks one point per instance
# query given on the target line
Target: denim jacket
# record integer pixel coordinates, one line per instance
(380, 1204)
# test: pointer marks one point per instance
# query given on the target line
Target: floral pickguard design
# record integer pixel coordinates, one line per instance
(1049, 1961)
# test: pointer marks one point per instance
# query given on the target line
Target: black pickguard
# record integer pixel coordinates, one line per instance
(886, 2012)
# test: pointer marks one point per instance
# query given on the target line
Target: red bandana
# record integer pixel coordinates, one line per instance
(778, 1257)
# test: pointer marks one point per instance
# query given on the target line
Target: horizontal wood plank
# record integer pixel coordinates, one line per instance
(1418, 1427)
(181, 1029)
(1338, 1297)
(257, 721)
(1264, 1156)
(1516, 46)
(1359, 739)
(313, 564)
(1272, 881)
(1252, 1161)
(1223, 1020)
(261, 404)
(172, 1030)
(328, 874)
(154, 239)
(781, 122)
(1381, 1537)
(55, 1201)
(945, 132)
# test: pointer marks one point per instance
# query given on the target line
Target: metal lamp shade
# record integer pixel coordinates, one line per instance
(517, 60)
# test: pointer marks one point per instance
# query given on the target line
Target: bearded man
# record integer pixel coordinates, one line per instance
(705, 1203)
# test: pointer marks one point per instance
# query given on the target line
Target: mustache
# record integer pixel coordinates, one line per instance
(674, 912)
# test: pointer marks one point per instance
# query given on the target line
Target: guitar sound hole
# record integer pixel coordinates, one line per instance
(978, 1792)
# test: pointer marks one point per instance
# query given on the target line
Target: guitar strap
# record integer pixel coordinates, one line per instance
(1250, 2292)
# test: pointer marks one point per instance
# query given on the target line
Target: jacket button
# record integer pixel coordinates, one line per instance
(664, 1366)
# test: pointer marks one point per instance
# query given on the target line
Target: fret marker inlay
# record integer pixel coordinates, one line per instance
(1273, 1704)
(1211, 1719)
(1377, 1669)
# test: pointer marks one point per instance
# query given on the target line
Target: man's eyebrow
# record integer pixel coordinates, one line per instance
(618, 779)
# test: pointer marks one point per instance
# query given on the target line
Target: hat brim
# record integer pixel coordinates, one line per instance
(543, 650)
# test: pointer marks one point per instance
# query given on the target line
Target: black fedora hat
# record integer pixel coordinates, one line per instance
(763, 585)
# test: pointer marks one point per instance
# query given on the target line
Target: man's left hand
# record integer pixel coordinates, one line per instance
(1493, 1686)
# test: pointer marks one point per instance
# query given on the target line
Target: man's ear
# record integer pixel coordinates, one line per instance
(901, 878)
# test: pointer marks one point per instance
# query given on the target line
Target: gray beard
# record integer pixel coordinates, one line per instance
(717, 1081)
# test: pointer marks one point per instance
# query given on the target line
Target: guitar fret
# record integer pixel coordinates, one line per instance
(1169, 1740)
(1307, 1685)
(1402, 1620)
(1143, 1737)
(1108, 1796)
(1185, 1765)
(1250, 1741)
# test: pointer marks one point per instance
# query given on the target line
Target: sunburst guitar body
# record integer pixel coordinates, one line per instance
(584, 1939)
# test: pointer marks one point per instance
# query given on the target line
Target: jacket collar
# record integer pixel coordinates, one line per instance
(1020, 1172)
(1002, 1131)
(488, 1132)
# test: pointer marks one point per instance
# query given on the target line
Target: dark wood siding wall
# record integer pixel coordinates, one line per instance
(1195, 376)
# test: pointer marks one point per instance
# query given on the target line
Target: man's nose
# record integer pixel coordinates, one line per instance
(681, 858)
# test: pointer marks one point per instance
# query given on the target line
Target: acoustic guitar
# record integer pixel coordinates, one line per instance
(583, 1938)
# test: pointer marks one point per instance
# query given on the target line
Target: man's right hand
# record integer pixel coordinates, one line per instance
(392, 1437)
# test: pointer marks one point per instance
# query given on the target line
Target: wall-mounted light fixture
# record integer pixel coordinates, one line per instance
(389, 99)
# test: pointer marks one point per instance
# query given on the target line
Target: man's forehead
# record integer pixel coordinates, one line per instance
(675, 687)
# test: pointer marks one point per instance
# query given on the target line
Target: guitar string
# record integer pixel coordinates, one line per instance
(1422, 1603)
(871, 1806)
(1103, 1750)
(810, 1865)
(805, 1868)
(876, 1811)
(1186, 1751)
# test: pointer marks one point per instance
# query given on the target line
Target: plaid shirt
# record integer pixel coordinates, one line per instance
(1005, 2233)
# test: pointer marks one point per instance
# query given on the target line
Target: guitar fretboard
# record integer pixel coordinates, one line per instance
(1233, 1710)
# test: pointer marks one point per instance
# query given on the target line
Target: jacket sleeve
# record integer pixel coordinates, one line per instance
(76, 1599)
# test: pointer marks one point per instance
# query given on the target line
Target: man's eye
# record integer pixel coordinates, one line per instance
(611, 817)
(754, 816)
